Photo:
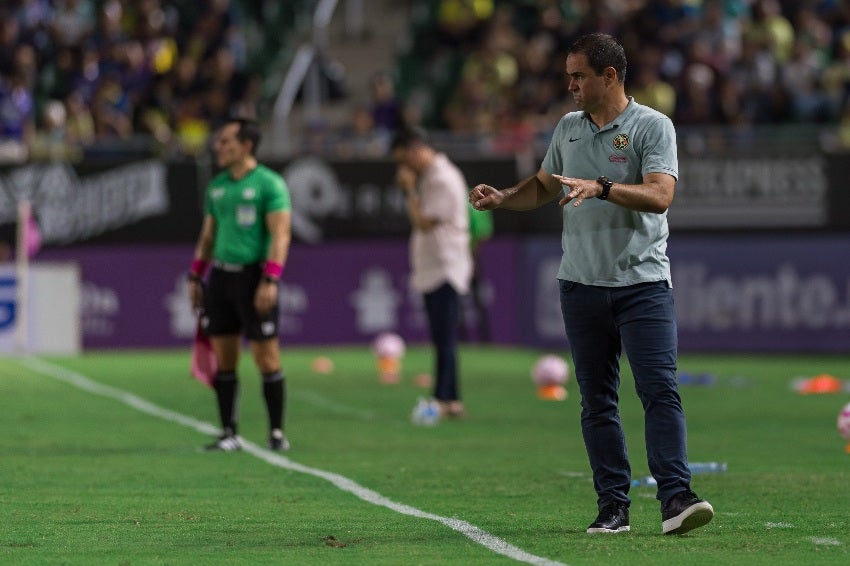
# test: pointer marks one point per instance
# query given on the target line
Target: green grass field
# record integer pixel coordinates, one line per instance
(99, 464)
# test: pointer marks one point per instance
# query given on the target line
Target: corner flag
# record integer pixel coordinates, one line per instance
(204, 366)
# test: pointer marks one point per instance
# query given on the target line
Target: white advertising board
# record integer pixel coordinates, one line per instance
(49, 320)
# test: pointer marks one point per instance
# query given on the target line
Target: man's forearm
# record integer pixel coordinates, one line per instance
(526, 195)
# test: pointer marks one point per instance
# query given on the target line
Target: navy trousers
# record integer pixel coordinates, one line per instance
(601, 322)
(442, 306)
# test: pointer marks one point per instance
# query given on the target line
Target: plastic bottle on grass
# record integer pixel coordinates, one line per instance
(707, 467)
(645, 481)
(695, 467)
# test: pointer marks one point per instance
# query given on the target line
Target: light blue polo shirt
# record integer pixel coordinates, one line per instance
(605, 244)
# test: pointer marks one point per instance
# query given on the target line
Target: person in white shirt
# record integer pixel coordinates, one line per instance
(440, 259)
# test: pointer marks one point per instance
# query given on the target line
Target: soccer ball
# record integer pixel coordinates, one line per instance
(388, 345)
(844, 422)
(550, 370)
(426, 412)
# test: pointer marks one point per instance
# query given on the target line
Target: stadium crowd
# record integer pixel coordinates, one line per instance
(732, 62)
(77, 72)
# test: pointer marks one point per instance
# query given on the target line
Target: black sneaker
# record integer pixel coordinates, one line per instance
(613, 518)
(278, 442)
(225, 443)
(685, 512)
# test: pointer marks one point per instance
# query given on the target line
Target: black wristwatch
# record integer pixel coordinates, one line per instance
(606, 186)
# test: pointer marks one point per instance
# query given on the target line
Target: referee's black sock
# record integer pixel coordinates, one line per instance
(227, 393)
(274, 392)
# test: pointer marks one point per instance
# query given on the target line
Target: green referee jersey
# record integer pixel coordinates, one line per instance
(605, 244)
(239, 208)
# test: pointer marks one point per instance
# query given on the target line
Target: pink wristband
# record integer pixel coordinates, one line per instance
(199, 267)
(273, 269)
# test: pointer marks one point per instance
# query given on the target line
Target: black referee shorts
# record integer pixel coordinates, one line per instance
(229, 303)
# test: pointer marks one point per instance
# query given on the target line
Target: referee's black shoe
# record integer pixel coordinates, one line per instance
(613, 518)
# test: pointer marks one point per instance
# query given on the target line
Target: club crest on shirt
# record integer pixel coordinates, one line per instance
(621, 141)
(248, 193)
(217, 192)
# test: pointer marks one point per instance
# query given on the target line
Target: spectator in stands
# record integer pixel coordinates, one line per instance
(757, 74)
(652, 90)
(248, 98)
(34, 17)
(191, 128)
(111, 62)
(108, 32)
(770, 29)
(65, 45)
(536, 86)
(696, 100)
(51, 138)
(88, 75)
(460, 23)
(836, 76)
(360, 138)
(800, 76)
(17, 118)
(79, 122)
(386, 108)
(58, 78)
(10, 31)
(72, 21)
(720, 33)
(487, 77)
(111, 109)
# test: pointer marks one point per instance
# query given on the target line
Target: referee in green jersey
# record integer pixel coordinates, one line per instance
(245, 240)
(613, 166)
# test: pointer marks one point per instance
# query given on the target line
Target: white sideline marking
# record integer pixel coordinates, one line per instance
(318, 400)
(822, 541)
(468, 530)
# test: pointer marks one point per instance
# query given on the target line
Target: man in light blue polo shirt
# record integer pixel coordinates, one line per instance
(613, 168)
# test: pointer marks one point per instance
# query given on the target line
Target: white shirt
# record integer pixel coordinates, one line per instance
(441, 254)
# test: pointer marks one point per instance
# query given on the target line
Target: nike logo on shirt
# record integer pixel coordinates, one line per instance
(574, 139)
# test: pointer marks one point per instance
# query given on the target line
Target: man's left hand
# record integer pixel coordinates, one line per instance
(577, 189)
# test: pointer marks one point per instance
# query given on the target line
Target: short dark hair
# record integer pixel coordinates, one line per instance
(407, 137)
(602, 51)
(249, 130)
